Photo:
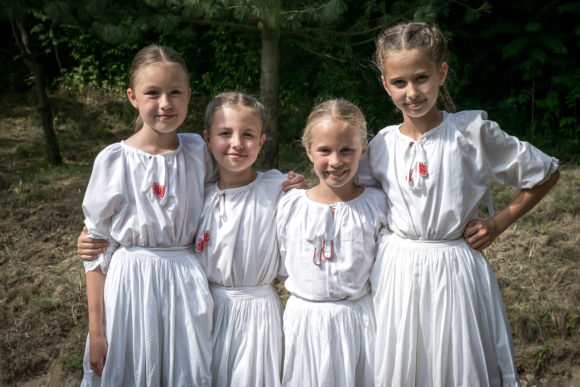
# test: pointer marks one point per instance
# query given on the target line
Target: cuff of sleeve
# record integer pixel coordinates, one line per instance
(102, 260)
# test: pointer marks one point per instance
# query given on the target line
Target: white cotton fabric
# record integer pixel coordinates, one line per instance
(440, 317)
(328, 321)
(238, 248)
(158, 307)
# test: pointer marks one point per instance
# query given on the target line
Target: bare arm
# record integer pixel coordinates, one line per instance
(95, 299)
(479, 233)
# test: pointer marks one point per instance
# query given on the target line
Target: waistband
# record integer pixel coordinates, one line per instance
(329, 304)
(159, 251)
(406, 242)
(243, 292)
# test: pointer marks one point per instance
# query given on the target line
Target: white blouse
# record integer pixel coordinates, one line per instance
(328, 256)
(434, 185)
(236, 241)
(138, 199)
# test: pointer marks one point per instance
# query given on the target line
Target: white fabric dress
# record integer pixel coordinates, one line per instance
(440, 315)
(158, 307)
(238, 248)
(329, 324)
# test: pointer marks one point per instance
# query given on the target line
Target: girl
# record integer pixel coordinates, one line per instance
(143, 197)
(327, 239)
(237, 245)
(440, 316)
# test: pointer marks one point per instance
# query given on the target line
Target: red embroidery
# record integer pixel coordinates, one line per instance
(206, 238)
(409, 177)
(158, 190)
(199, 245)
(423, 169)
(322, 255)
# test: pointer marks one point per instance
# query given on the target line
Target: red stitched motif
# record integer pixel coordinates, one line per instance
(158, 190)
(206, 237)
(423, 169)
(409, 177)
(322, 255)
(199, 245)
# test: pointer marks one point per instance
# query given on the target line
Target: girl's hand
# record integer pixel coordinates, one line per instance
(98, 348)
(481, 233)
(89, 248)
(295, 180)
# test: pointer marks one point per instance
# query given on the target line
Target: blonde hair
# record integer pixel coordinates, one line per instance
(149, 55)
(415, 35)
(335, 109)
(232, 99)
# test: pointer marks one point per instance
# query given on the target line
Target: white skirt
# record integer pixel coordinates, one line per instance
(247, 337)
(329, 343)
(440, 316)
(158, 312)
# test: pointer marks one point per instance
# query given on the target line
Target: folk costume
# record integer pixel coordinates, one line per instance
(440, 315)
(328, 252)
(158, 307)
(237, 245)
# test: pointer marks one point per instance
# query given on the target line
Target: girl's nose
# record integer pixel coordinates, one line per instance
(236, 141)
(164, 102)
(412, 90)
(334, 160)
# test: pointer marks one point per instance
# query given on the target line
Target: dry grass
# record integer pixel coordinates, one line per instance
(42, 302)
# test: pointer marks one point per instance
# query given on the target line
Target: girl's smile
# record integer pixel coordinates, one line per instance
(335, 152)
(412, 80)
(235, 139)
(161, 94)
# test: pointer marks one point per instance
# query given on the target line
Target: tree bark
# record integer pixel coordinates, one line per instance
(21, 35)
(269, 82)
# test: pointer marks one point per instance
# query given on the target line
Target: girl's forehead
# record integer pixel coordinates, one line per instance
(161, 70)
(407, 60)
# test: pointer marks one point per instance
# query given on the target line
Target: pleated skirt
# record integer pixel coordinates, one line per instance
(329, 343)
(440, 316)
(158, 312)
(247, 337)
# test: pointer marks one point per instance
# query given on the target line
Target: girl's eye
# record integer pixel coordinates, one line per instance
(346, 150)
(398, 83)
(224, 134)
(176, 92)
(151, 92)
(422, 78)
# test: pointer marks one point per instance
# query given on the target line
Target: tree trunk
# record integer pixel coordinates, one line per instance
(269, 81)
(21, 35)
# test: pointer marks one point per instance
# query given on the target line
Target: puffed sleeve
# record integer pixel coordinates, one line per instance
(104, 198)
(503, 159)
(365, 174)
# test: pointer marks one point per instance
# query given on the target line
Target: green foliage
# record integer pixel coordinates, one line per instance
(543, 355)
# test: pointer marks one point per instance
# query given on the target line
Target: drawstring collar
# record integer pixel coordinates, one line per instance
(417, 165)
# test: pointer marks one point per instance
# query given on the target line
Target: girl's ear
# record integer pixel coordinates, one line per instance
(308, 153)
(384, 82)
(206, 138)
(262, 140)
(443, 73)
(364, 150)
(132, 98)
